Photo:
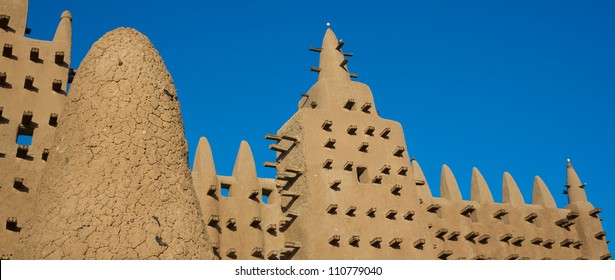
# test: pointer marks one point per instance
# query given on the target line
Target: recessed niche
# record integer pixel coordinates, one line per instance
(362, 174)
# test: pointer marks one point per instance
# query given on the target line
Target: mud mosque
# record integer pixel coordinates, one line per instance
(106, 175)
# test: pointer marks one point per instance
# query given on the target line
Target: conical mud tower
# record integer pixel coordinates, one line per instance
(117, 184)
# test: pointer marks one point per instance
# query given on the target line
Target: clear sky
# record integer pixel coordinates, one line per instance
(517, 86)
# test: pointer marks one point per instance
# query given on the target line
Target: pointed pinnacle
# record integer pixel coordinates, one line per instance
(245, 168)
(419, 177)
(541, 194)
(576, 191)
(510, 191)
(479, 190)
(332, 58)
(449, 188)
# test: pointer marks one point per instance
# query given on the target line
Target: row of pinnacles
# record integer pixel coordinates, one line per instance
(115, 183)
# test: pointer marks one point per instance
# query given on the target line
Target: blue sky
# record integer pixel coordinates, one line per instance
(517, 86)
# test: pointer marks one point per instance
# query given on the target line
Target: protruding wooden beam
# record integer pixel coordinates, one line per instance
(354, 240)
(370, 130)
(28, 82)
(257, 252)
(402, 171)
(399, 151)
(326, 125)
(548, 243)
(531, 217)
(34, 54)
(375, 241)
(277, 148)
(330, 143)
(4, 20)
(213, 220)
(409, 215)
(377, 179)
(536, 241)
(443, 255)
(327, 164)
(441, 232)
(348, 166)
(365, 108)
(349, 104)
(335, 184)
(566, 242)
(419, 243)
(371, 212)
(600, 235)
(59, 58)
(314, 49)
(500, 213)
(453, 235)
(273, 137)
(517, 240)
(255, 222)
(314, 69)
(505, 237)
(385, 133)
(350, 211)
(340, 44)
(594, 212)
(272, 255)
(391, 214)
(433, 208)
(396, 189)
(466, 211)
(395, 242)
(231, 222)
(471, 235)
(334, 240)
(7, 51)
(332, 208)
(483, 238)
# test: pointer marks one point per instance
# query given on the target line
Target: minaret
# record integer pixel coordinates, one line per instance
(207, 190)
(575, 189)
(246, 194)
(332, 62)
(583, 218)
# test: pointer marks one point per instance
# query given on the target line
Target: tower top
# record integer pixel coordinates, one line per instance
(332, 61)
(575, 188)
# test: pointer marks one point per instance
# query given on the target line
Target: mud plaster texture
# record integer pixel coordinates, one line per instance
(117, 184)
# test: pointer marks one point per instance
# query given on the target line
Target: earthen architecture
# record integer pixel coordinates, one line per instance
(106, 174)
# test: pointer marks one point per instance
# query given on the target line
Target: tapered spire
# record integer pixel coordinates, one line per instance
(479, 189)
(64, 32)
(204, 170)
(510, 191)
(332, 63)
(575, 189)
(541, 194)
(419, 177)
(449, 188)
(245, 169)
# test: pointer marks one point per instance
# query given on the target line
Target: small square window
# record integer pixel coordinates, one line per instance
(24, 136)
(265, 196)
(225, 191)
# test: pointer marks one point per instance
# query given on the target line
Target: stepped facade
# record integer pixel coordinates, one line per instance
(106, 175)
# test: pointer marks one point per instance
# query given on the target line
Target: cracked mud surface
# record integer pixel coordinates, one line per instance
(117, 184)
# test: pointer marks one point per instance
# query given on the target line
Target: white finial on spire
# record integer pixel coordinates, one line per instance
(568, 160)
(328, 24)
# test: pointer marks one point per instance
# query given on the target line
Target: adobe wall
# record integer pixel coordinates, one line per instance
(34, 76)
